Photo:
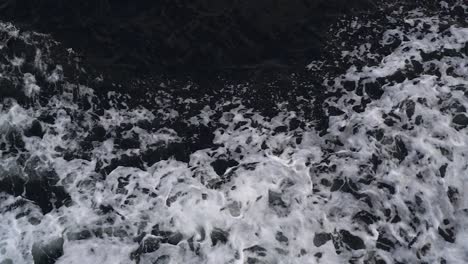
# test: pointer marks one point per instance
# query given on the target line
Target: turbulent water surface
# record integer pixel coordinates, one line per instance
(170, 174)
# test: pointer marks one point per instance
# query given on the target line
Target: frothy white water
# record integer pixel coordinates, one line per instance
(385, 184)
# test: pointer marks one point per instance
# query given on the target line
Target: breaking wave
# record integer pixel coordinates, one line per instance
(175, 175)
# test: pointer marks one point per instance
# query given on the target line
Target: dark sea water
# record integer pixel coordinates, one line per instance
(364, 160)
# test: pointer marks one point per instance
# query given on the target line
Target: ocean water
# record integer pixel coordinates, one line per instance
(92, 176)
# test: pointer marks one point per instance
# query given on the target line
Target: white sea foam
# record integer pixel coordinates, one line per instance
(291, 196)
